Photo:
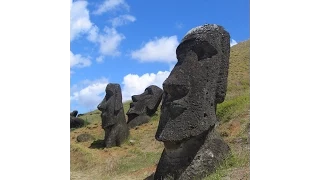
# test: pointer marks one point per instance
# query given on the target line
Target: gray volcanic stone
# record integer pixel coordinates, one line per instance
(195, 86)
(76, 122)
(74, 113)
(144, 105)
(113, 117)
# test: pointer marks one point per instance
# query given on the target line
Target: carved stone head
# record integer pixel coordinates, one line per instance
(111, 105)
(74, 113)
(144, 104)
(195, 85)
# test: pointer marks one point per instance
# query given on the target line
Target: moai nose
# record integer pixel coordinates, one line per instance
(101, 106)
(175, 89)
(134, 98)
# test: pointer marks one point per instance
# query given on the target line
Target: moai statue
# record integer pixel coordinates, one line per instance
(74, 113)
(113, 117)
(197, 83)
(143, 106)
(76, 122)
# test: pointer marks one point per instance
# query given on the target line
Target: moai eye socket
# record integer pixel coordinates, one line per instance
(149, 91)
(109, 93)
(204, 50)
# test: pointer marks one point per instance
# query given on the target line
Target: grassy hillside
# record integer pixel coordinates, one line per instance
(138, 156)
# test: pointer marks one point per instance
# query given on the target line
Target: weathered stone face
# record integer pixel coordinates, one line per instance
(111, 105)
(74, 113)
(197, 83)
(144, 105)
(112, 116)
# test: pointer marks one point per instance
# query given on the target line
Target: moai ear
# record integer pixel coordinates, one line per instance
(117, 100)
(154, 102)
(224, 66)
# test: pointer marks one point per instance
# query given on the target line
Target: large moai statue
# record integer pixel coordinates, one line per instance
(113, 117)
(75, 122)
(144, 105)
(197, 83)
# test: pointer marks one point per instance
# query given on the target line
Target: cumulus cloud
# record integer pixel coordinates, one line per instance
(134, 84)
(77, 60)
(79, 19)
(108, 39)
(122, 20)
(93, 33)
(109, 42)
(161, 50)
(109, 5)
(233, 42)
(100, 59)
(89, 93)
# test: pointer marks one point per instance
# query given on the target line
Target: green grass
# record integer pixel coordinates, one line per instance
(126, 106)
(233, 108)
(233, 161)
(136, 160)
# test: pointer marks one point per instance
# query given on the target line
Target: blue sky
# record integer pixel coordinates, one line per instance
(133, 42)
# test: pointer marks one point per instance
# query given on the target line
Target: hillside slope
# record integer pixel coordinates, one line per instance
(138, 156)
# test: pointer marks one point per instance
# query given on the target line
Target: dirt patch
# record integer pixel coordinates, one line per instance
(145, 135)
(238, 174)
(145, 172)
(79, 176)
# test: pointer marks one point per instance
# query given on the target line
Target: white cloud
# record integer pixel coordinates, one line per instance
(93, 33)
(162, 50)
(122, 20)
(79, 61)
(134, 84)
(109, 39)
(100, 59)
(109, 5)
(109, 42)
(89, 93)
(79, 19)
(233, 42)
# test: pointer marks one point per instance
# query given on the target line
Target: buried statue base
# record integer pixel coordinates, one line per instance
(76, 122)
(192, 159)
(137, 120)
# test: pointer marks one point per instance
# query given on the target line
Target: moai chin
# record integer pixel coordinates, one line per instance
(197, 83)
(112, 116)
(144, 105)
